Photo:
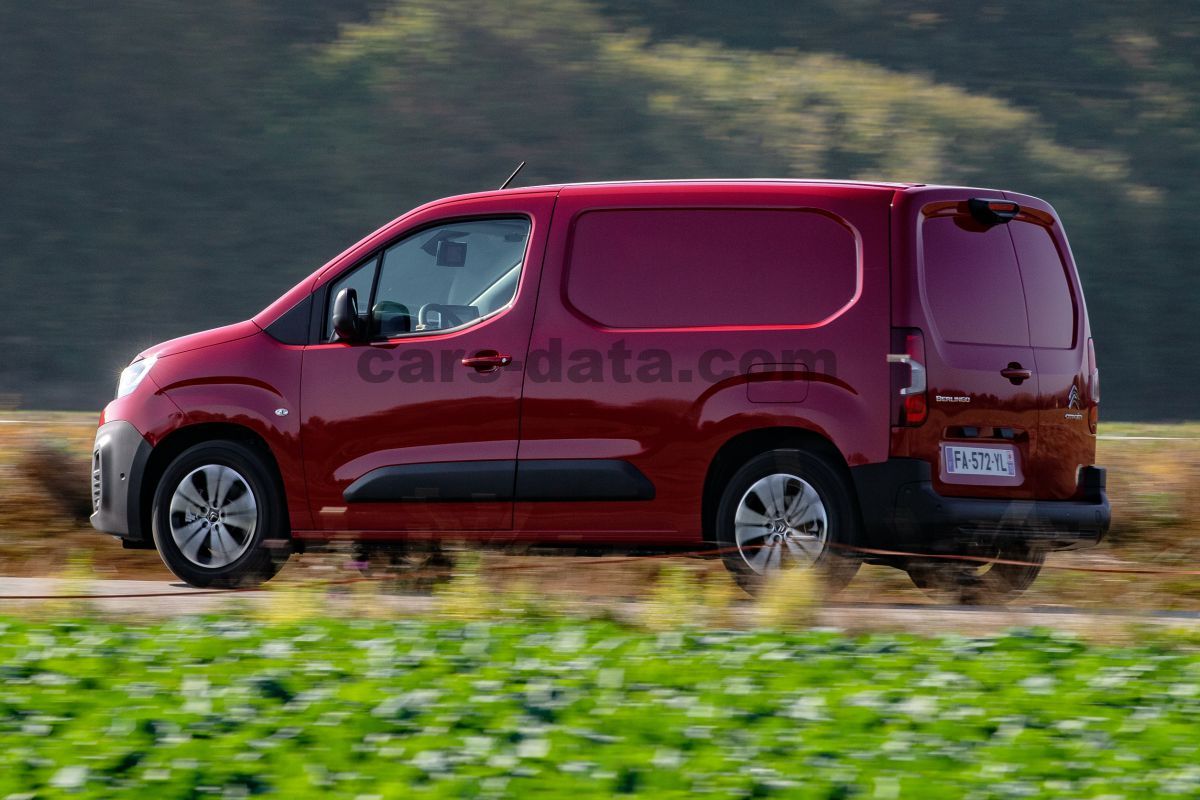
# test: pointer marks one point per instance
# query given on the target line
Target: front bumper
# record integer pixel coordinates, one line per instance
(900, 509)
(119, 459)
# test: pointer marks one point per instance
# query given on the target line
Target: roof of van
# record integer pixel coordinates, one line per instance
(731, 182)
(683, 184)
(714, 182)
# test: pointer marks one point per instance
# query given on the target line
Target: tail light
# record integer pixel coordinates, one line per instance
(909, 403)
(1093, 388)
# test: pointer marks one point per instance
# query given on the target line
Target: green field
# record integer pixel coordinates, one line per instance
(229, 707)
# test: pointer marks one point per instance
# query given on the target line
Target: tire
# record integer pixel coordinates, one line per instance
(971, 583)
(771, 540)
(215, 507)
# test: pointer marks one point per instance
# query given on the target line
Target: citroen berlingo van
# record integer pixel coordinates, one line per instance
(777, 373)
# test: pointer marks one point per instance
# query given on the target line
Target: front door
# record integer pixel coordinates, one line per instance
(417, 428)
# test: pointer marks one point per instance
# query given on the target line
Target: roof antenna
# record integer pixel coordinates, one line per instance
(520, 167)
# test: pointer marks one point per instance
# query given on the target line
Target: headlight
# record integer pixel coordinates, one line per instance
(132, 375)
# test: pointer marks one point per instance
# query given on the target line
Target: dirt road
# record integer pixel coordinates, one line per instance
(171, 598)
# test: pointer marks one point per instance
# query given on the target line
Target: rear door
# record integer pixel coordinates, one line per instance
(1058, 335)
(961, 288)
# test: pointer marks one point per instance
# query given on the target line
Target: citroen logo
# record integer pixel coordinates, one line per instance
(1073, 397)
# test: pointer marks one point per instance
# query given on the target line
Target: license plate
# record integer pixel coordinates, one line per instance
(985, 461)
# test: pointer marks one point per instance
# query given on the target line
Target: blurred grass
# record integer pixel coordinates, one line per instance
(1154, 485)
(231, 706)
(38, 536)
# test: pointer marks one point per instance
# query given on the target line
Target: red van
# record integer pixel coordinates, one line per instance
(785, 372)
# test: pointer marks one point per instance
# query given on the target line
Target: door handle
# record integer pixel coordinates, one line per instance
(1016, 373)
(487, 361)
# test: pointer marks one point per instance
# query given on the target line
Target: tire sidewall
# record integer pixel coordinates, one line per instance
(837, 568)
(256, 563)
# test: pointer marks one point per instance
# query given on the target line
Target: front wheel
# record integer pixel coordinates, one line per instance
(786, 509)
(216, 506)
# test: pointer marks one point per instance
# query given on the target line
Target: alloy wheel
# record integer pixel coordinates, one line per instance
(780, 522)
(213, 516)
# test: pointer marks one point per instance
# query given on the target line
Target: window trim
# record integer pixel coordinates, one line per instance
(316, 335)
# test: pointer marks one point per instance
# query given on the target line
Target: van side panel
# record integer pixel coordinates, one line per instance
(658, 354)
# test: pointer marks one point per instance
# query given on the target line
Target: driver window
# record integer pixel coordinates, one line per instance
(448, 276)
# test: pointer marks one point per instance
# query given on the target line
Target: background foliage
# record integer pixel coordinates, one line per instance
(169, 166)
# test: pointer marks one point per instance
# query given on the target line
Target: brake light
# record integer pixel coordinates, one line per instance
(1093, 388)
(992, 212)
(910, 407)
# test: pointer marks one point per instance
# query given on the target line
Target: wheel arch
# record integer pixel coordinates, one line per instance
(180, 440)
(739, 449)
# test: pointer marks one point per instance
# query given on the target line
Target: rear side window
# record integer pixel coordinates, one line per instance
(1047, 291)
(651, 268)
(972, 282)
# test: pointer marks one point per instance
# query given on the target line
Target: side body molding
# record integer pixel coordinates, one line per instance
(556, 479)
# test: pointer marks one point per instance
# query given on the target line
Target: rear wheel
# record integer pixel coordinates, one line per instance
(786, 509)
(216, 507)
(979, 582)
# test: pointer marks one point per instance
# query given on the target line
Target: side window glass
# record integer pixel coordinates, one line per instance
(449, 276)
(972, 282)
(1047, 291)
(360, 279)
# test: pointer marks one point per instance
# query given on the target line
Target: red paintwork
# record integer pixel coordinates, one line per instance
(671, 431)
(202, 339)
(340, 426)
(349, 433)
(1051, 447)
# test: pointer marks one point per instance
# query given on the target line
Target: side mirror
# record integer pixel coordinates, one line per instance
(348, 326)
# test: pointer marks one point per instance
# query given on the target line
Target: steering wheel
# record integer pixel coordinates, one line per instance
(449, 318)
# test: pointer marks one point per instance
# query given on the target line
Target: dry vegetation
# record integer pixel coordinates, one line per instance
(1154, 485)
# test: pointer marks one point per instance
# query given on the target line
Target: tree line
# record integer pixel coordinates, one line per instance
(169, 167)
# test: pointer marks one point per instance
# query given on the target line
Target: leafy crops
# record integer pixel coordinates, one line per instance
(231, 707)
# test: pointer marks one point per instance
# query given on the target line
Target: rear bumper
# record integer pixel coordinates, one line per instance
(119, 459)
(901, 509)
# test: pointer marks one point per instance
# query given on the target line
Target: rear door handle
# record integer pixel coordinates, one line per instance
(487, 361)
(1016, 373)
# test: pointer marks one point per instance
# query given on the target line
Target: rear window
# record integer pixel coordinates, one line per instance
(651, 268)
(1047, 291)
(972, 282)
